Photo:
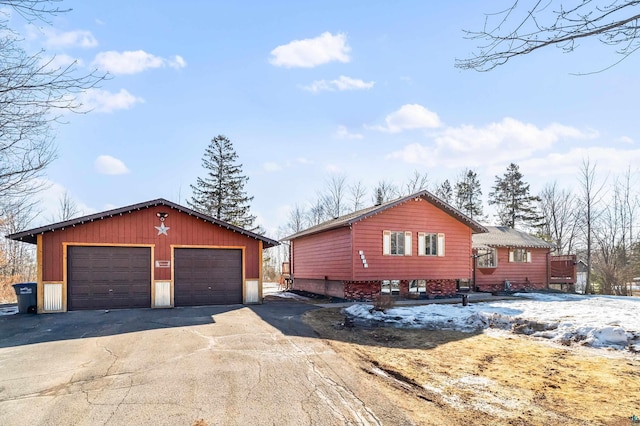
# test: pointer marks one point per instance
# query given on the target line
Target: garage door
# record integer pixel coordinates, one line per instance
(207, 276)
(108, 277)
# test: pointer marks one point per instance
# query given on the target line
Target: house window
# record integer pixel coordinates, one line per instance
(418, 286)
(519, 255)
(430, 244)
(390, 287)
(487, 258)
(396, 243)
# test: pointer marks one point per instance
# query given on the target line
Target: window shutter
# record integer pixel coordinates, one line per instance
(386, 242)
(440, 244)
(510, 255)
(407, 243)
(421, 248)
(528, 256)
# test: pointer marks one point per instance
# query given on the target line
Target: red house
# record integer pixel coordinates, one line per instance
(413, 246)
(156, 254)
(507, 259)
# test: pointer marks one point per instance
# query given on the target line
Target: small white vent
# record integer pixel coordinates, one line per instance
(52, 297)
(163, 294)
(251, 293)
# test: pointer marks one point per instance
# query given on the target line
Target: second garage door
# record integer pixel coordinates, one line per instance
(207, 276)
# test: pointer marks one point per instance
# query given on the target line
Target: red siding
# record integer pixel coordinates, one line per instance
(138, 227)
(520, 275)
(414, 216)
(326, 254)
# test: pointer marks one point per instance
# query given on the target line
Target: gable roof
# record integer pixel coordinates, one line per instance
(30, 236)
(351, 218)
(502, 236)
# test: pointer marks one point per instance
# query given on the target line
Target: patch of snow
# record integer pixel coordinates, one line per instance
(9, 310)
(596, 321)
(288, 295)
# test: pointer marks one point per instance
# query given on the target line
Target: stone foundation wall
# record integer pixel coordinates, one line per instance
(369, 291)
(513, 286)
(365, 292)
(441, 288)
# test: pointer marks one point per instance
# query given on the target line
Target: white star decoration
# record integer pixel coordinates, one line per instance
(162, 229)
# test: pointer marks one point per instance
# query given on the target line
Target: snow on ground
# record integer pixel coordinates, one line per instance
(8, 310)
(596, 321)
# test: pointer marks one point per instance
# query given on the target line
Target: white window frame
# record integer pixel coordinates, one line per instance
(424, 237)
(391, 287)
(399, 236)
(418, 286)
(519, 255)
(483, 256)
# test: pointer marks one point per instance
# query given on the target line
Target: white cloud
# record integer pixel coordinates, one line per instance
(302, 160)
(332, 168)
(133, 62)
(311, 52)
(506, 141)
(177, 62)
(272, 167)
(409, 117)
(104, 101)
(108, 165)
(77, 38)
(608, 160)
(342, 83)
(626, 140)
(343, 133)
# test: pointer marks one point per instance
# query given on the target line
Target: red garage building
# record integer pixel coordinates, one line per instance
(155, 254)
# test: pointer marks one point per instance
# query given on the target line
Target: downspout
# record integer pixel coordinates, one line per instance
(548, 271)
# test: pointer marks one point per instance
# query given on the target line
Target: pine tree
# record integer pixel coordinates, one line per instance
(221, 193)
(511, 195)
(468, 194)
(445, 192)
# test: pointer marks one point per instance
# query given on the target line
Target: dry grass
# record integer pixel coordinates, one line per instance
(447, 377)
(7, 293)
(383, 302)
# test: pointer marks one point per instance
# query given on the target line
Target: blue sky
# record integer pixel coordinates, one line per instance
(304, 90)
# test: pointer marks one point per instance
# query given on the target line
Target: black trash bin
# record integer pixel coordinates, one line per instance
(27, 297)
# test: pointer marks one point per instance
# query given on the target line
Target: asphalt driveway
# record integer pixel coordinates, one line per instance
(217, 365)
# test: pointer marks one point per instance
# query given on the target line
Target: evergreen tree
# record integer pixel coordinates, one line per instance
(511, 195)
(468, 194)
(445, 192)
(221, 193)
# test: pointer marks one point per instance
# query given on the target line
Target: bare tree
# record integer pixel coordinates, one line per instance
(385, 191)
(34, 95)
(297, 219)
(416, 183)
(67, 208)
(519, 30)
(589, 198)
(19, 262)
(334, 196)
(357, 192)
(558, 208)
(316, 213)
(612, 263)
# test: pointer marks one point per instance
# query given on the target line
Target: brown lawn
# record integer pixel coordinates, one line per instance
(454, 378)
